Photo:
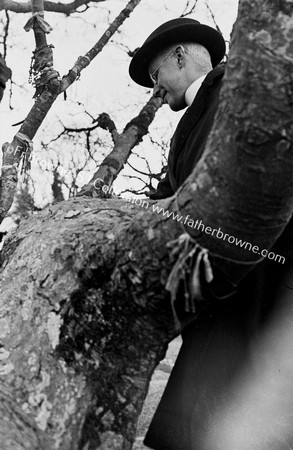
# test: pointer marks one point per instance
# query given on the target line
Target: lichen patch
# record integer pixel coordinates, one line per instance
(54, 323)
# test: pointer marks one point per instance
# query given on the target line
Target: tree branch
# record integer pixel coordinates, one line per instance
(5, 37)
(84, 61)
(105, 122)
(12, 152)
(125, 142)
(213, 17)
(64, 8)
(106, 268)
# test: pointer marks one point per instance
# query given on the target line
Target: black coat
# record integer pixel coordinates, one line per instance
(216, 346)
(189, 139)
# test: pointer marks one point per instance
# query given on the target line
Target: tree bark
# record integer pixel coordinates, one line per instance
(83, 324)
(246, 170)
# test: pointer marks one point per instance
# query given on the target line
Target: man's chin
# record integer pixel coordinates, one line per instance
(177, 106)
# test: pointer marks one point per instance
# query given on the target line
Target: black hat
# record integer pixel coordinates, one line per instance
(172, 32)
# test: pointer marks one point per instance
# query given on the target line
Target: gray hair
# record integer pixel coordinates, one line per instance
(199, 54)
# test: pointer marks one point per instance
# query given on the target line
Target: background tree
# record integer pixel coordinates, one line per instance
(72, 115)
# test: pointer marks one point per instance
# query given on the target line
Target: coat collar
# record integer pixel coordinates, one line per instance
(192, 116)
(194, 112)
(193, 90)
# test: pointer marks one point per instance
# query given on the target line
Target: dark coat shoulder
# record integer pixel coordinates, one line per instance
(189, 139)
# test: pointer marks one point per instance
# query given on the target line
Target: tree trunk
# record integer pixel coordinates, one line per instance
(245, 175)
(83, 324)
(85, 316)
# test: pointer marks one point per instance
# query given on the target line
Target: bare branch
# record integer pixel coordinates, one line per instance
(84, 61)
(129, 138)
(138, 171)
(5, 37)
(189, 8)
(213, 17)
(53, 87)
(63, 8)
(105, 122)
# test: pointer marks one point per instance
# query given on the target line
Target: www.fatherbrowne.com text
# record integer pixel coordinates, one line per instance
(215, 232)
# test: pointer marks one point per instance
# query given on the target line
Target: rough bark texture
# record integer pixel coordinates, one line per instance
(83, 324)
(245, 176)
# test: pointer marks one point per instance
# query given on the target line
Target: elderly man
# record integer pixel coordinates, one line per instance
(177, 60)
(181, 61)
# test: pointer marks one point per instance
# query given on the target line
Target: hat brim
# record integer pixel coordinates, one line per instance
(207, 36)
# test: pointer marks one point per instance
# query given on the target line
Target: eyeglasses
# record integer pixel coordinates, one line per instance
(155, 73)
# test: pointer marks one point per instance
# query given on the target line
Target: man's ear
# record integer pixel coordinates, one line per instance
(180, 54)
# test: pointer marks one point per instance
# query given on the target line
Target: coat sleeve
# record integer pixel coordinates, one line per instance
(164, 189)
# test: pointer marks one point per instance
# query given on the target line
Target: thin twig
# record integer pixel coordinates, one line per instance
(5, 37)
(213, 17)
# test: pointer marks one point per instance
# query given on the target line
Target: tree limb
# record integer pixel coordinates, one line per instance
(84, 61)
(105, 122)
(12, 152)
(64, 8)
(65, 356)
(125, 142)
(258, 195)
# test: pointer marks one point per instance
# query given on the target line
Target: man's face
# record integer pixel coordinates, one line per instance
(171, 81)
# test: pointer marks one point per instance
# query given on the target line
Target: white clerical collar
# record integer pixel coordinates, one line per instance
(193, 89)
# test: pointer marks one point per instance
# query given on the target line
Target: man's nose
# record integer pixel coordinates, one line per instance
(156, 91)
